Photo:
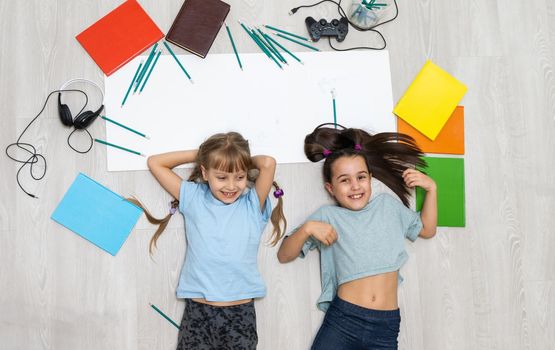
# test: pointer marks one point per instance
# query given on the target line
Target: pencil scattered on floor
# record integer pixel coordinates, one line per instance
(124, 127)
(131, 85)
(119, 147)
(164, 316)
(286, 32)
(297, 42)
(265, 47)
(259, 44)
(145, 67)
(283, 48)
(150, 71)
(178, 62)
(334, 110)
(233, 45)
(271, 46)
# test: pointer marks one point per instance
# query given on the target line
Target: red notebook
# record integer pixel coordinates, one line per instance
(119, 36)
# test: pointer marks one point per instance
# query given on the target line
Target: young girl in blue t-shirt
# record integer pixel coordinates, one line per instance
(361, 239)
(224, 220)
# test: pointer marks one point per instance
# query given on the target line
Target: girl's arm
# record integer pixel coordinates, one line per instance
(266, 166)
(428, 214)
(291, 246)
(161, 166)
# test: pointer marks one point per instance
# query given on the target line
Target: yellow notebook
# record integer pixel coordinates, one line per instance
(430, 100)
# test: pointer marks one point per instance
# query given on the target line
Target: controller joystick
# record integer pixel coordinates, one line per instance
(337, 28)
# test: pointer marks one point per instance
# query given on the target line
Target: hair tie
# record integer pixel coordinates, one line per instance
(326, 152)
(278, 192)
(358, 147)
(173, 206)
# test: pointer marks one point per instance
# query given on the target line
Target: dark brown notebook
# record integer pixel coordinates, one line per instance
(197, 24)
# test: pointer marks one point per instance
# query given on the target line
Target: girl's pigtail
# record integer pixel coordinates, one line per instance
(278, 216)
(322, 141)
(388, 155)
(161, 222)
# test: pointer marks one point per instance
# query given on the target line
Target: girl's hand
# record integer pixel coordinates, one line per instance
(161, 166)
(322, 231)
(414, 178)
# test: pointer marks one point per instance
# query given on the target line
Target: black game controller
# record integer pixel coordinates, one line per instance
(337, 28)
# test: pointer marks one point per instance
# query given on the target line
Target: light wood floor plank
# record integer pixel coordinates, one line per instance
(486, 286)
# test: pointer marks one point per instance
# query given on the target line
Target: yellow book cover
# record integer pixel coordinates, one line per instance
(430, 100)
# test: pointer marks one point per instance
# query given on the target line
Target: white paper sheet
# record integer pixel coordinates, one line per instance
(274, 109)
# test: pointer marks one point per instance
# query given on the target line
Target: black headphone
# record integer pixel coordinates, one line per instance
(81, 122)
(83, 119)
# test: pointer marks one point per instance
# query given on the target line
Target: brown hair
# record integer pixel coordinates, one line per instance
(162, 223)
(228, 152)
(386, 154)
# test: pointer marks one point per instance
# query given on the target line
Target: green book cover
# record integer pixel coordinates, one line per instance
(448, 173)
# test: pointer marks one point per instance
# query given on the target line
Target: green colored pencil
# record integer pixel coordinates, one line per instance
(176, 60)
(298, 42)
(164, 315)
(131, 85)
(334, 111)
(249, 33)
(125, 127)
(145, 67)
(370, 5)
(252, 37)
(119, 147)
(265, 47)
(257, 42)
(264, 42)
(233, 45)
(285, 32)
(271, 46)
(150, 71)
(283, 48)
(260, 46)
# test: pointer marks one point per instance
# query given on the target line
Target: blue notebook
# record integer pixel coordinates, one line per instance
(97, 214)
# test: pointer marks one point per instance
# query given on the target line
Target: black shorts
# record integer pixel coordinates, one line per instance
(207, 327)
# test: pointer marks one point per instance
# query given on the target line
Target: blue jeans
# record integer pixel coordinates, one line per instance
(348, 326)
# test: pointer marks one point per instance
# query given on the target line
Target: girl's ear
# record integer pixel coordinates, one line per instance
(203, 171)
(329, 188)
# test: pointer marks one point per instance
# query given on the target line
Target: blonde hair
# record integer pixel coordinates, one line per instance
(228, 152)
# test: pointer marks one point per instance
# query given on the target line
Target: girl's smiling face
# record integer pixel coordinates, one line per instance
(225, 186)
(350, 182)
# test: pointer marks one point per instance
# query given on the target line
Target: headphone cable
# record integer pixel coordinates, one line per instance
(34, 156)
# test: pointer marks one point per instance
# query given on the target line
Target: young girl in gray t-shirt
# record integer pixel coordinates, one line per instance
(361, 239)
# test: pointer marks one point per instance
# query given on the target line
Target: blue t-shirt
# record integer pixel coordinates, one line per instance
(222, 244)
(370, 242)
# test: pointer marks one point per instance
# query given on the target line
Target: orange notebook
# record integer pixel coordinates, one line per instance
(430, 99)
(119, 36)
(450, 139)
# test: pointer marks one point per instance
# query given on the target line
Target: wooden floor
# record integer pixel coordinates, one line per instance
(490, 285)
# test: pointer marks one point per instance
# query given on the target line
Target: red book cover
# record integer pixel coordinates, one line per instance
(118, 37)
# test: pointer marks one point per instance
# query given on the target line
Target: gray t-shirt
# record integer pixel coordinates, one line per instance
(370, 242)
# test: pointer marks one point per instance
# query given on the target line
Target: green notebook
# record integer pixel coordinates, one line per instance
(448, 173)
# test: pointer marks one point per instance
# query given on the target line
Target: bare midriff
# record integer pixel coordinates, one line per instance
(378, 292)
(222, 303)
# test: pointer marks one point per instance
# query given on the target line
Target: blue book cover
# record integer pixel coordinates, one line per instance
(97, 214)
